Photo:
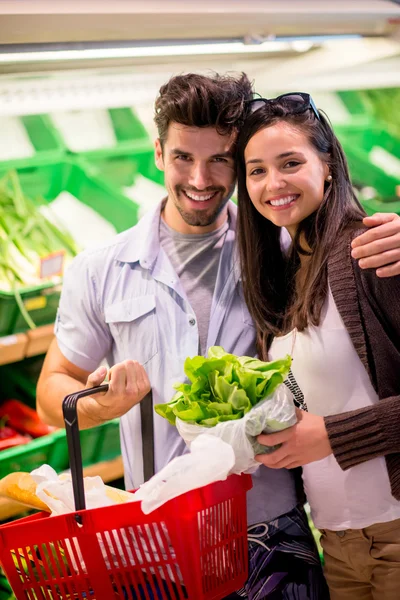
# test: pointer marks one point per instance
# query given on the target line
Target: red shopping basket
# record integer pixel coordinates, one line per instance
(193, 547)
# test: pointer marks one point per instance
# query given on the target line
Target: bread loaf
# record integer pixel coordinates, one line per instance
(22, 488)
(118, 496)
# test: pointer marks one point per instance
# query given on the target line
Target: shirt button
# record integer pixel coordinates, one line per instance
(192, 322)
(340, 533)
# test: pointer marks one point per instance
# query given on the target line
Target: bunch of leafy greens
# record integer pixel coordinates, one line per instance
(223, 387)
(26, 236)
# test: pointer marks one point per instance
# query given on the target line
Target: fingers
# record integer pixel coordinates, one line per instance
(137, 382)
(97, 377)
(280, 459)
(144, 382)
(362, 244)
(379, 219)
(129, 379)
(117, 379)
(273, 439)
(274, 460)
(389, 271)
(380, 260)
(382, 244)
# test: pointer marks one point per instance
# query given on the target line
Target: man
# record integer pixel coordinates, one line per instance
(167, 289)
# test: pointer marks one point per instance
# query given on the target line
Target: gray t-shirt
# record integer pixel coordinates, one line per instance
(195, 258)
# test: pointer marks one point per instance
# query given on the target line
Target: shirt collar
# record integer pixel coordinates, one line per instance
(143, 243)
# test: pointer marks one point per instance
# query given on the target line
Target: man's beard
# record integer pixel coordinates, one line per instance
(202, 218)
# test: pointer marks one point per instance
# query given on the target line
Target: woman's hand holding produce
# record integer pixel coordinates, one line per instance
(305, 442)
(128, 385)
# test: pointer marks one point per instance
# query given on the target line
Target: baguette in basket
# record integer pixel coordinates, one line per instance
(22, 487)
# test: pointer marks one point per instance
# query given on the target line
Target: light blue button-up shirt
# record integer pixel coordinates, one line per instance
(122, 301)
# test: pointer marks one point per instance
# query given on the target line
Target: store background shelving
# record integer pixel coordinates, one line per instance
(357, 81)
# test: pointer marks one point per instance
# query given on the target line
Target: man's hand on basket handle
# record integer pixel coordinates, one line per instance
(128, 385)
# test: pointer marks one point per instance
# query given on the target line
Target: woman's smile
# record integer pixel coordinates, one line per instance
(283, 202)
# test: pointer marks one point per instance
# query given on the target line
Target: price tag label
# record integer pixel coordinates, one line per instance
(52, 264)
(35, 303)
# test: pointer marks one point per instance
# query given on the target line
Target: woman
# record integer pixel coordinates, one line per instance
(341, 326)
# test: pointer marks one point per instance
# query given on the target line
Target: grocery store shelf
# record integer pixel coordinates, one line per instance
(108, 471)
(12, 348)
(21, 345)
(39, 340)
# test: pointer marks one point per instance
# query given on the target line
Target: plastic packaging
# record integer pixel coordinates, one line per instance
(188, 472)
(274, 413)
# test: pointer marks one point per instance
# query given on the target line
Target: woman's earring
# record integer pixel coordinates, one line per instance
(329, 178)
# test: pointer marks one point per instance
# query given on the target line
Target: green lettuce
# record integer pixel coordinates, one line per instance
(223, 387)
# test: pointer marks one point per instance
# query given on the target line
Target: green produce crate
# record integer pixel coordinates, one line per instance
(27, 457)
(119, 167)
(109, 445)
(366, 135)
(127, 125)
(18, 380)
(98, 444)
(45, 139)
(6, 592)
(127, 129)
(358, 141)
(353, 102)
(381, 104)
(41, 302)
(47, 181)
(373, 206)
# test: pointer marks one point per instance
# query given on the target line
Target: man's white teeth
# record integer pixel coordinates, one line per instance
(283, 201)
(197, 198)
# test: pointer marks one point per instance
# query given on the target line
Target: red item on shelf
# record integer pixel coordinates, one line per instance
(23, 418)
(9, 438)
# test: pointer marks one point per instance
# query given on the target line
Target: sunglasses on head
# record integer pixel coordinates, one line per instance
(294, 103)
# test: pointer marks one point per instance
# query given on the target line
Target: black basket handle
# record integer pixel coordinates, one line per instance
(69, 407)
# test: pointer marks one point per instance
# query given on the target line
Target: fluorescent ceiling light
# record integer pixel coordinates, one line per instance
(157, 51)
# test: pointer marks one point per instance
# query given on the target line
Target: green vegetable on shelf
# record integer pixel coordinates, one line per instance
(26, 238)
(223, 387)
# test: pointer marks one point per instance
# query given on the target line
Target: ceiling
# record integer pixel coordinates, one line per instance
(373, 61)
(57, 21)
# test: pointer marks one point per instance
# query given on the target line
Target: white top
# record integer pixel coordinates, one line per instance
(333, 380)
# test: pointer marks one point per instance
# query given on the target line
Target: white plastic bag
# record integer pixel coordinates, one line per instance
(56, 491)
(275, 413)
(210, 459)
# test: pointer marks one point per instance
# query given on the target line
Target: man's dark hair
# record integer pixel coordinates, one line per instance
(203, 101)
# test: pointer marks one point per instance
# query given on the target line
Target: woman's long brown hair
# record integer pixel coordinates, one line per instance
(275, 301)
